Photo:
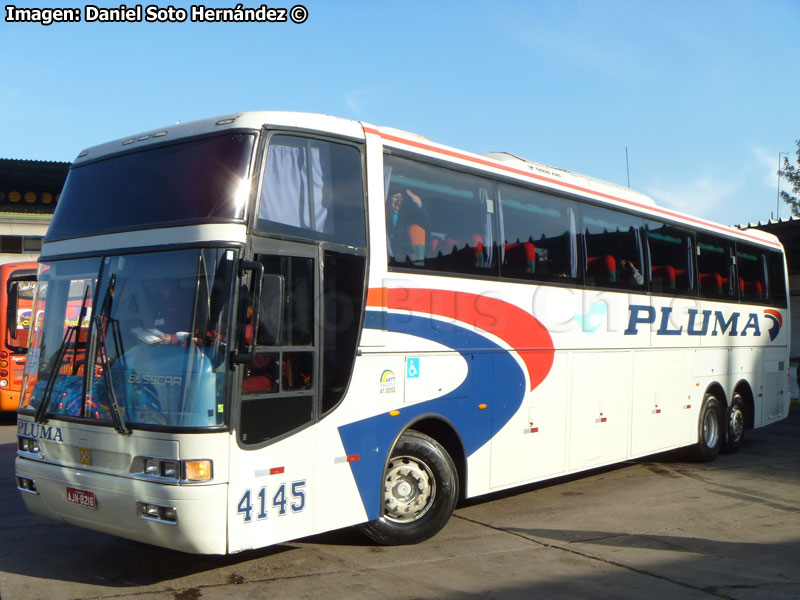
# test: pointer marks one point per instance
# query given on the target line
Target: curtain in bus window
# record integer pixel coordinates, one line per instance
(487, 209)
(573, 243)
(387, 177)
(690, 252)
(295, 193)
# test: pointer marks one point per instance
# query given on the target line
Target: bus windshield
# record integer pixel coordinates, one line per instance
(133, 339)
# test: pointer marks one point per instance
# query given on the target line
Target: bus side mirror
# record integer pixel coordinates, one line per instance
(271, 310)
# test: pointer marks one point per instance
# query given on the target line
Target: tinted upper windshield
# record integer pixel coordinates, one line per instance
(204, 179)
(147, 332)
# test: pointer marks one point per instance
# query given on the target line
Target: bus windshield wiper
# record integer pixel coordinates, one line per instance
(99, 334)
(41, 410)
(72, 331)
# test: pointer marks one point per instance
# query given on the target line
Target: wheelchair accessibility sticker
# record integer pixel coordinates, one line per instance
(412, 368)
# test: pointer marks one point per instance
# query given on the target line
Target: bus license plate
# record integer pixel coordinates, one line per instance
(81, 497)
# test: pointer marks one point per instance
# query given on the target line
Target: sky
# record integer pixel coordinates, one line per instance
(691, 102)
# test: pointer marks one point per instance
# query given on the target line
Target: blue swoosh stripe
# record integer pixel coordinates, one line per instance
(494, 377)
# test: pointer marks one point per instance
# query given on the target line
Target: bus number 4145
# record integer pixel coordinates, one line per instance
(280, 501)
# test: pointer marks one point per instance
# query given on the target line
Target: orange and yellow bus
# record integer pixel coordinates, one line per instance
(16, 297)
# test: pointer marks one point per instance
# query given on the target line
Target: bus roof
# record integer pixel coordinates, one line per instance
(254, 120)
(503, 163)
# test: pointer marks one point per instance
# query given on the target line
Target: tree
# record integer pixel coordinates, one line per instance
(791, 173)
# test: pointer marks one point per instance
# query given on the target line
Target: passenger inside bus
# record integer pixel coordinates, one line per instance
(407, 225)
(628, 274)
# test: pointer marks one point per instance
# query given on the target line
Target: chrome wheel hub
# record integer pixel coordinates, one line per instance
(710, 429)
(737, 423)
(408, 490)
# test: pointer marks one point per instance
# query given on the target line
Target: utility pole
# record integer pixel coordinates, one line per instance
(778, 204)
(628, 168)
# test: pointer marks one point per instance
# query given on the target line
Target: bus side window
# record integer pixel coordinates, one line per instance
(18, 311)
(752, 273)
(775, 292)
(540, 240)
(438, 219)
(313, 188)
(613, 248)
(716, 269)
(671, 259)
(261, 376)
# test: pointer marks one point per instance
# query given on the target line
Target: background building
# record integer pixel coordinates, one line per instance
(788, 231)
(29, 192)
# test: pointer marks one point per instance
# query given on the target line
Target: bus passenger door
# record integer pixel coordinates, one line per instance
(272, 487)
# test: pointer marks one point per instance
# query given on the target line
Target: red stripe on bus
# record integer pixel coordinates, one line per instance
(521, 331)
(776, 314)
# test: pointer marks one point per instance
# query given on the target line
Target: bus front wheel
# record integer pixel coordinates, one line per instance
(420, 490)
(709, 430)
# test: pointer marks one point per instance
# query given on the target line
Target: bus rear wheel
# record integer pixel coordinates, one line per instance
(420, 490)
(709, 430)
(734, 425)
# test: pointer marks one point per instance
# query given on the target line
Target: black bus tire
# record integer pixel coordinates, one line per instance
(420, 491)
(709, 429)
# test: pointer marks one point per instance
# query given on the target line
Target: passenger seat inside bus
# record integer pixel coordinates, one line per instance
(601, 269)
(520, 257)
(467, 251)
(663, 278)
(711, 284)
(751, 289)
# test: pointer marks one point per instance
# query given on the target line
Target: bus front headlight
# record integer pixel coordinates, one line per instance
(166, 470)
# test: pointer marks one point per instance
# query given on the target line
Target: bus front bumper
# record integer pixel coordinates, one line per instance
(188, 518)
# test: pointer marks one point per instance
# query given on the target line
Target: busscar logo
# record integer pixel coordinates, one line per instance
(159, 380)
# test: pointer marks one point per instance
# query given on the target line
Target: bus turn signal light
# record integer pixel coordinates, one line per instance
(197, 470)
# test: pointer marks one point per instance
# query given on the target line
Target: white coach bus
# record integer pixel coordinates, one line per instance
(254, 328)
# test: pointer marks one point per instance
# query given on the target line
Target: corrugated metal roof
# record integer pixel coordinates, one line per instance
(37, 161)
(768, 223)
(788, 232)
